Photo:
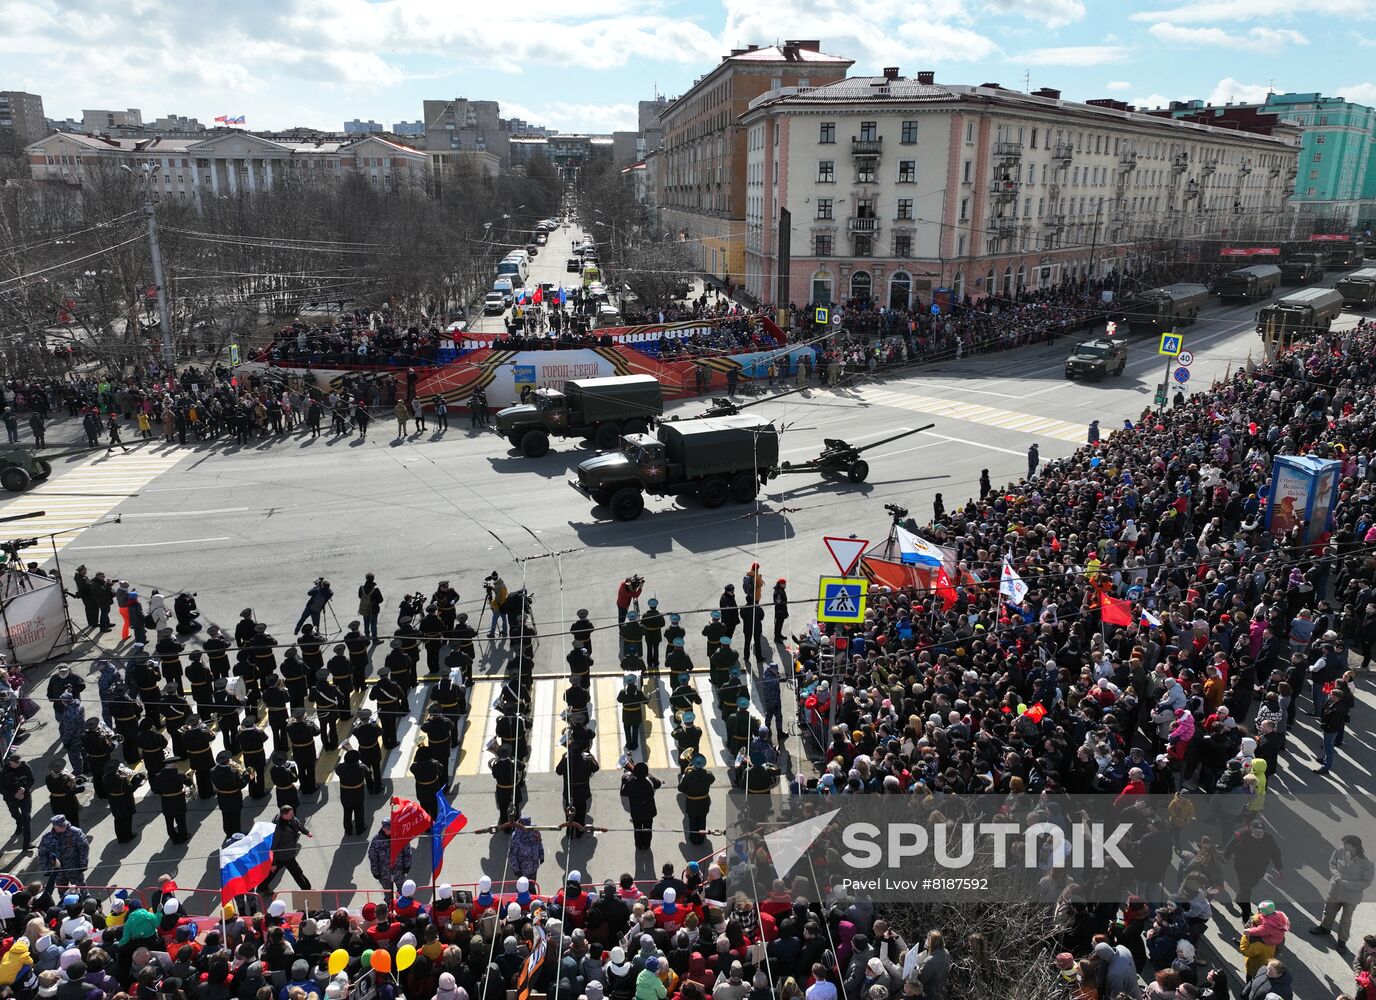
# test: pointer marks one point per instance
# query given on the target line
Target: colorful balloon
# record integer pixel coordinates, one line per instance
(381, 961)
(339, 960)
(406, 957)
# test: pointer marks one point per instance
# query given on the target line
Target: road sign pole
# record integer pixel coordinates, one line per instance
(1166, 383)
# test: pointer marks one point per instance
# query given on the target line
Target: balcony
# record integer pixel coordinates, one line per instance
(1054, 221)
(862, 224)
(1063, 153)
(1208, 169)
(1118, 217)
(1128, 160)
(1008, 150)
(1003, 227)
(1180, 162)
(1003, 190)
(866, 147)
(1245, 169)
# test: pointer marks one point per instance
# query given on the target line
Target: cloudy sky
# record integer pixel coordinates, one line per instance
(582, 64)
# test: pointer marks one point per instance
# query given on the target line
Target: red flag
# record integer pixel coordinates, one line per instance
(1115, 611)
(409, 821)
(539, 295)
(941, 583)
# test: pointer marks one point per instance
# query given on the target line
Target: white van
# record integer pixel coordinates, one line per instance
(515, 269)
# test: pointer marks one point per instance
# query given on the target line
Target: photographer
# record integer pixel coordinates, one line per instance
(316, 598)
(494, 589)
(628, 593)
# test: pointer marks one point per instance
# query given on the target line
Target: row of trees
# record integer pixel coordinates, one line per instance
(75, 268)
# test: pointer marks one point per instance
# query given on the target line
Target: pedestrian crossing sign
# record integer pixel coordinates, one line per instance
(1171, 344)
(822, 316)
(841, 599)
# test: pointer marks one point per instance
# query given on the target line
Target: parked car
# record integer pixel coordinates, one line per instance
(495, 303)
(573, 265)
(532, 250)
(505, 286)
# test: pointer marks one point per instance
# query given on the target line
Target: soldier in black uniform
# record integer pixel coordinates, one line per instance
(277, 702)
(120, 783)
(294, 677)
(582, 630)
(331, 708)
(677, 660)
(408, 636)
(632, 636)
(63, 787)
(446, 601)
(152, 746)
(391, 706)
(168, 651)
(398, 664)
(674, 631)
(367, 735)
(227, 712)
(358, 645)
(341, 673)
(230, 780)
(652, 623)
(302, 732)
(352, 778)
(171, 785)
(695, 785)
(245, 628)
(577, 768)
(432, 636)
(285, 775)
(638, 787)
(713, 632)
(202, 680)
(510, 777)
(312, 646)
(450, 697)
(431, 777)
(125, 712)
(97, 746)
(461, 648)
(580, 663)
(252, 746)
(175, 713)
(578, 698)
(263, 648)
(687, 737)
(146, 678)
(719, 666)
(216, 651)
(439, 735)
(197, 740)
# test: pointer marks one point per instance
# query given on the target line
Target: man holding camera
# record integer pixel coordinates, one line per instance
(628, 593)
(319, 595)
(494, 587)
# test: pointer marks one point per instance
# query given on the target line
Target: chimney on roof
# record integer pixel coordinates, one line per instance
(992, 86)
(926, 76)
(890, 73)
(810, 44)
(751, 48)
(738, 52)
(1050, 92)
(790, 51)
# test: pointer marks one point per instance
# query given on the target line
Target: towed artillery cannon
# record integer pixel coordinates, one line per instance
(843, 458)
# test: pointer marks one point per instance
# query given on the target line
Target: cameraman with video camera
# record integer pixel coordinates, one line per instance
(495, 593)
(317, 597)
(628, 593)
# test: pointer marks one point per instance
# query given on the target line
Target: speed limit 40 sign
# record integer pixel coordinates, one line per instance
(1185, 358)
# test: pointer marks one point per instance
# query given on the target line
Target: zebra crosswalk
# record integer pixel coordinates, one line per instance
(87, 492)
(977, 413)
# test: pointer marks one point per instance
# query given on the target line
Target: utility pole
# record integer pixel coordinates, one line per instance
(169, 351)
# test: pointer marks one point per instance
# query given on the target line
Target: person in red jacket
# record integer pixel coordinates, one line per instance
(1136, 786)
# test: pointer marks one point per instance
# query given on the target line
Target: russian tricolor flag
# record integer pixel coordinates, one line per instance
(246, 863)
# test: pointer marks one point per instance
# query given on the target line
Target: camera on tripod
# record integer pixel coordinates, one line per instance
(896, 512)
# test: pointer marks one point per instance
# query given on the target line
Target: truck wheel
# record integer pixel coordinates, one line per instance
(744, 486)
(859, 471)
(606, 437)
(1121, 366)
(602, 496)
(634, 427)
(626, 504)
(713, 492)
(14, 479)
(42, 469)
(515, 438)
(534, 444)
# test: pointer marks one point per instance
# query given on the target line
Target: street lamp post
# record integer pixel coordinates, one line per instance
(169, 352)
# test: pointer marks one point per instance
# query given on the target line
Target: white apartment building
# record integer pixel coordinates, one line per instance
(228, 163)
(898, 186)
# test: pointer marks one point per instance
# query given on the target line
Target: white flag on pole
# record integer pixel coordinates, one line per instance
(1011, 587)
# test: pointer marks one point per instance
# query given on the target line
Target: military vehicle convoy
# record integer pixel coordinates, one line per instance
(716, 458)
(1163, 309)
(1301, 268)
(602, 409)
(1303, 313)
(1358, 289)
(1249, 284)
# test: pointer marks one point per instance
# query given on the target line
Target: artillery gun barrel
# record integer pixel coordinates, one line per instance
(896, 437)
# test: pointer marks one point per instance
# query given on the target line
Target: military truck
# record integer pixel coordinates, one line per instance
(1249, 284)
(718, 458)
(602, 409)
(1096, 358)
(1163, 309)
(1301, 269)
(1358, 289)
(1308, 311)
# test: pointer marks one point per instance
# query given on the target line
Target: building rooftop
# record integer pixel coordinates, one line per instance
(790, 51)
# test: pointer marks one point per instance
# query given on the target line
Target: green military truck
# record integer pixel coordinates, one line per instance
(718, 458)
(1167, 308)
(1301, 268)
(1096, 358)
(602, 409)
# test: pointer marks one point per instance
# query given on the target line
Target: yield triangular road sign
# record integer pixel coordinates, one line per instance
(845, 552)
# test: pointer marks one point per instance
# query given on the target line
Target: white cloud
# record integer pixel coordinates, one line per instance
(1152, 101)
(1359, 93)
(1255, 40)
(1206, 11)
(1052, 13)
(1074, 55)
(1118, 85)
(571, 117)
(1235, 91)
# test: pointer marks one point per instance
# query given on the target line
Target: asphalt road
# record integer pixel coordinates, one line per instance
(253, 526)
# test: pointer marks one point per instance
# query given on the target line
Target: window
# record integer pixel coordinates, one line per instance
(1319, 139)
(966, 172)
(1313, 175)
(964, 208)
(826, 171)
(775, 82)
(969, 131)
(869, 131)
(824, 208)
(864, 209)
(828, 132)
(864, 246)
(804, 82)
(821, 245)
(907, 171)
(960, 245)
(1318, 158)
(909, 134)
(905, 208)
(902, 244)
(865, 172)
(861, 285)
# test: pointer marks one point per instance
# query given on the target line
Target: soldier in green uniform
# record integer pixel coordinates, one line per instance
(632, 636)
(687, 737)
(675, 630)
(653, 625)
(171, 786)
(734, 689)
(684, 697)
(713, 632)
(633, 705)
(739, 726)
(695, 784)
(677, 659)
